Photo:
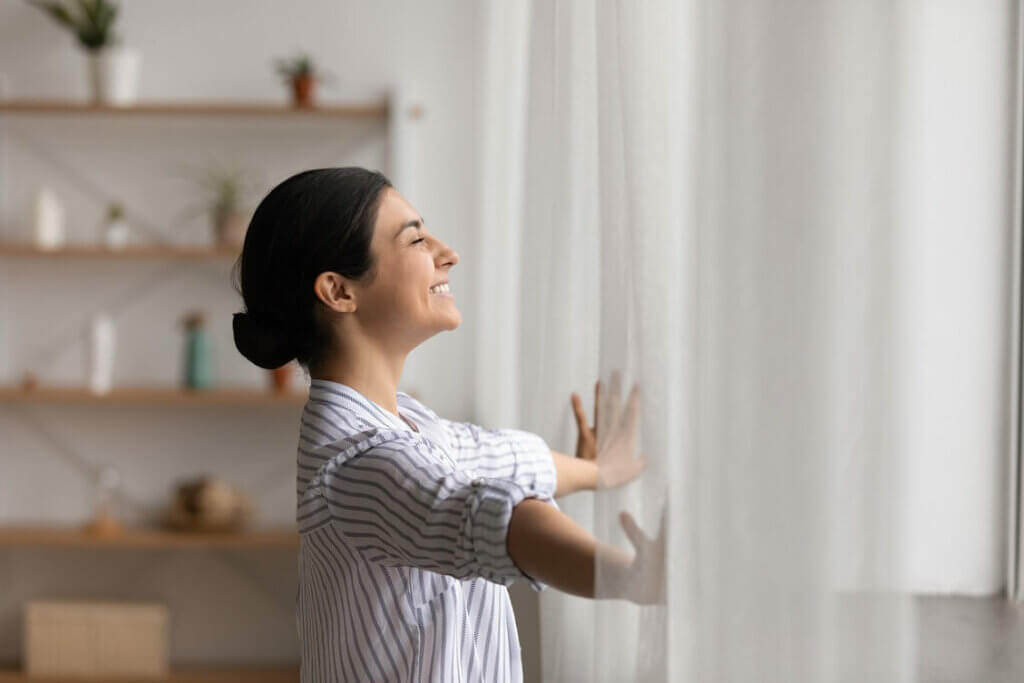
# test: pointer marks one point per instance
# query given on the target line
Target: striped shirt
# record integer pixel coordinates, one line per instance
(403, 566)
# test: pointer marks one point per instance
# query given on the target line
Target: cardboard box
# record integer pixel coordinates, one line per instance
(91, 638)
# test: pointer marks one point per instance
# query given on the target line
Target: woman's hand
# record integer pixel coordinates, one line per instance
(645, 577)
(614, 453)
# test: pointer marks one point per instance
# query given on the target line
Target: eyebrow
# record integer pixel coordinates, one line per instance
(415, 223)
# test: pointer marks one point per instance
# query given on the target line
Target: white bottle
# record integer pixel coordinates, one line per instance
(101, 354)
(49, 219)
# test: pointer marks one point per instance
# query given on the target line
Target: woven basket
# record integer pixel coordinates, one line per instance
(88, 639)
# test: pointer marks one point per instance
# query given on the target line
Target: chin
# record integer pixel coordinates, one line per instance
(454, 321)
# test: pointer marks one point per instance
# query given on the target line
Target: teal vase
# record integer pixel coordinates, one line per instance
(198, 360)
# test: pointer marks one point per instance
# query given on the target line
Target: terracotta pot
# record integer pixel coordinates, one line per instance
(230, 228)
(303, 90)
(281, 378)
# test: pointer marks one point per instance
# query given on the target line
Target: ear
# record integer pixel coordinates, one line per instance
(336, 292)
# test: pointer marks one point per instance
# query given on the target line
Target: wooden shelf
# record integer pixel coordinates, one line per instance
(128, 253)
(151, 396)
(176, 676)
(372, 109)
(76, 537)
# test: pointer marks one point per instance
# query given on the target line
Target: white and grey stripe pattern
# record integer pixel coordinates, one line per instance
(402, 562)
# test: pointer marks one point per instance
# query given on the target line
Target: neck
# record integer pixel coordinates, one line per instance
(370, 370)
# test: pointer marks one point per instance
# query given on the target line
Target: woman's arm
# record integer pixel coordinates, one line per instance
(550, 547)
(573, 474)
(400, 504)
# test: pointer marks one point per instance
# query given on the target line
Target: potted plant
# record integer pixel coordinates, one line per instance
(115, 229)
(113, 68)
(225, 191)
(301, 74)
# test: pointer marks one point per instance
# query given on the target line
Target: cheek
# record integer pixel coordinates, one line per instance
(413, 277)
(417, 271)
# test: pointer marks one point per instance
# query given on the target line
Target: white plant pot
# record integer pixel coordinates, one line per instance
(115, 236)
(114, 75)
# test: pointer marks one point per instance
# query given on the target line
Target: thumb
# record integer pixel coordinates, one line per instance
(629, 525)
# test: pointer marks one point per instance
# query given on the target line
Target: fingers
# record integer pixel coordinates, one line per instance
(633, 532)
(614, 395)
(632, 408)
(640, 464)
(577, 408)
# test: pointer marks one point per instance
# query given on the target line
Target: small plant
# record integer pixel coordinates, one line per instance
(294, 68)
(224, 190)
(301, 74)
(227, 192)
(91, 21)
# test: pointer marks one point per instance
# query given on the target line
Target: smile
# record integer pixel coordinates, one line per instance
(440, 289)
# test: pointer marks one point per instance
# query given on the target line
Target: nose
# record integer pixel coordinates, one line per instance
(446, 256)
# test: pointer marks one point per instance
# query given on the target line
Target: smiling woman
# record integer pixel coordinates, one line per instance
(411, 525)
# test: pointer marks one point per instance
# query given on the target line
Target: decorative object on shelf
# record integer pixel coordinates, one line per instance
(115, 228)
(302, 75)
(208, 504)
(49, 220)
(198, 353)
(68, 639)
(113, 67)
(281, 378)
(29, 381)
(105, 522)
(100, 354)
(225, 195)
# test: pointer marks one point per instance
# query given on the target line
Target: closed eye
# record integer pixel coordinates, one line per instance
(415, 241)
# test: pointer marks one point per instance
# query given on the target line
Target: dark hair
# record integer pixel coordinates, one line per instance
(316, 221)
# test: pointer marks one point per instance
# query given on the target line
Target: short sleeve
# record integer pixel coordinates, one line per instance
(401, 504)
(521, 456)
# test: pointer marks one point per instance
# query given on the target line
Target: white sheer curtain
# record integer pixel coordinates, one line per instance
(736, 206)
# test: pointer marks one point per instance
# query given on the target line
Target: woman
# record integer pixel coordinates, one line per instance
(411, 525)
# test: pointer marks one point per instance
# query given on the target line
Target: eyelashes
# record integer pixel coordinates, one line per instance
(417, 241)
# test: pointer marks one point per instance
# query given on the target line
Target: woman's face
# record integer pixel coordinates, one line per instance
(406, 303)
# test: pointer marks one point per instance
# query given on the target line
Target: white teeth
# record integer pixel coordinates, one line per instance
(439, 289)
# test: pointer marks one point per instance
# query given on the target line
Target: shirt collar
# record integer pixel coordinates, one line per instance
(354, 402)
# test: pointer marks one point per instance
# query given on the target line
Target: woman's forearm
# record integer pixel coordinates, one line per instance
(550, 547)
(573, 474)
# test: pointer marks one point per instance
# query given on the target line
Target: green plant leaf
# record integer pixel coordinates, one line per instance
(91, 24)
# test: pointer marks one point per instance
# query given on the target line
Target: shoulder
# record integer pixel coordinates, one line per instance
(394, 450)
(401, 453)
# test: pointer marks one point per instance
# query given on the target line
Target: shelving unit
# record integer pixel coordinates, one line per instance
(76, 537)
(128, 253)
(150, 395)
(396, 112)
(376, 109)
(178, 676)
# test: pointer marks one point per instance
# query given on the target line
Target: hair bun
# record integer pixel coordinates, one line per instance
(261, 341)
